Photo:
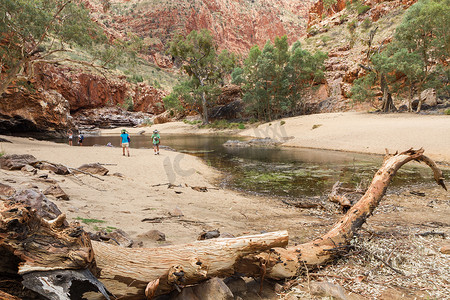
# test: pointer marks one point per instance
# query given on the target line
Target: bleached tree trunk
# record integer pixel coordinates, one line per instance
(127, 271)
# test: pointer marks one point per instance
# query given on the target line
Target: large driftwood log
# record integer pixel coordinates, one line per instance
(126, 272)
(285, 263)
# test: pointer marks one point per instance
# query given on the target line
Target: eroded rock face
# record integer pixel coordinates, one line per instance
(88, 90)
(107, 117)
(45, 112)
(44, 108)
(379, 9)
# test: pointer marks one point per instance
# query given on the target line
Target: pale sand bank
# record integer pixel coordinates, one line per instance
(363, 132)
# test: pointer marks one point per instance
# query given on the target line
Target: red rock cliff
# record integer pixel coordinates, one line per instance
(237, 25)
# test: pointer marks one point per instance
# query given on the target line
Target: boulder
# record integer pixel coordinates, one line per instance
(29, 169)
(445, 249)
(55, 168)
(237, 285)
(16, 161)
(206, 235)
(154, 235)
(94, 168)
(327, 289)
(116, 237)
(57, 191)
(6, 190)
(429, 97)
(213, 289)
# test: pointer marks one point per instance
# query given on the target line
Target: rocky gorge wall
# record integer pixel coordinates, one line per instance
(46, 104)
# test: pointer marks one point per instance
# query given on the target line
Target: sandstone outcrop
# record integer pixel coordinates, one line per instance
(44, 112)
(44, 108)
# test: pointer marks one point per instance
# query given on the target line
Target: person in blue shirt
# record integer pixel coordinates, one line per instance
(125, 142)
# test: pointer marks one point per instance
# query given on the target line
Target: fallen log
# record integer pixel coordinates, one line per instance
(126, 272)
(285, 263)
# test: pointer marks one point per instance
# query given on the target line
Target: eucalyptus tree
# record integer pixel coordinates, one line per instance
(32, 31)
(273, 79)
(205, 66)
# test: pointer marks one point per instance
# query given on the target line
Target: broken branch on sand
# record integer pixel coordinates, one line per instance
(131, 272)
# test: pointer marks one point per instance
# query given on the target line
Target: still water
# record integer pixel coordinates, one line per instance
(286, 172)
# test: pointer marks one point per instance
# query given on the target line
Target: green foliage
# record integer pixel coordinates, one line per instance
(351, 27)
(328, 3)
(128, 104)
(447, 112)
(358, 7)
(119, 52)
(362, 9)
(156, 84)
(206, 68)
(89, 221)
(172, 101)
(325, 39)
(362, 88)
(147, 122)
(107, 228)
(38, 28)
(224, 124)
(366, 24)
(135, 78)
(272, 78)
(193, 122)
(424, 30)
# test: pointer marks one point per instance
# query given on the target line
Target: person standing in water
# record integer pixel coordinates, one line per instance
(156, 139)
(125, 142)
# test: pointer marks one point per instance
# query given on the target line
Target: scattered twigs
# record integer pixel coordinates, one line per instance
(385, 262)
(309, 280)
(329, 275)
(70, 169)
(304, 204)
(341, 199)
(441, 234)
(84, 172)
(157, 219)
